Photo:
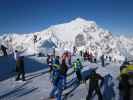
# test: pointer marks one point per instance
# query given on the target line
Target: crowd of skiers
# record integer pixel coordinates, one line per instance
(58, 74)
(59, 67)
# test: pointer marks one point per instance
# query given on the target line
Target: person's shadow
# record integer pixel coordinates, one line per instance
(108, 86)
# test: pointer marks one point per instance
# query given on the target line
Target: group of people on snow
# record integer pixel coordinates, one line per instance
(58, 69)
(59, 77)
(59, 66)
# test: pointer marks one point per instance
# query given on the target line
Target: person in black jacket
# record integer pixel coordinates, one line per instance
(3, 48)
(124, 87)
(50, 62)
(102, 61)
(94, 86)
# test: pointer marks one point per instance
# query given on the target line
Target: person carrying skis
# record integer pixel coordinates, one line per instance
(94, 86)
(57, 81)
(19, 65)
(77, 65)
(3, 48)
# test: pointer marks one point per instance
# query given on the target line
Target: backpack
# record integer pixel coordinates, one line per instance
(63, 69)
(55, 76)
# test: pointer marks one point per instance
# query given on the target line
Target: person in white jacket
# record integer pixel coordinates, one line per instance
(19, 65)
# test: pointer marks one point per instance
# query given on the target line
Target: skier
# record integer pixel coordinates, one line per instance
(94, 86)
(77, 65)
(50, 62)
(3, 48)
(102, 60)
(19, 65)
(58, 82)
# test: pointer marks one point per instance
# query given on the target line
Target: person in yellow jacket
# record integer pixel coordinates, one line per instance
(77, 65)
(127, 70)
(124, 84)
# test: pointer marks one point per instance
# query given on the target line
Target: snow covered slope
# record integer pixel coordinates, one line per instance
(83, 33)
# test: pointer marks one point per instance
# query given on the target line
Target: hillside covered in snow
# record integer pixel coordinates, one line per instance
(84, 34)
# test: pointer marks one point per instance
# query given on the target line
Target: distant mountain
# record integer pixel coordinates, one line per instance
(81, 33)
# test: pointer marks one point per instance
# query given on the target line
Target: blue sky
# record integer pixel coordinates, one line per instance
(24, 16)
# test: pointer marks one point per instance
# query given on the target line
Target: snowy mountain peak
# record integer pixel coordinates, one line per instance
(78, 32)
(80, 20)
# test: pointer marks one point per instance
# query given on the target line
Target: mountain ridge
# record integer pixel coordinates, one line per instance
(79, 32)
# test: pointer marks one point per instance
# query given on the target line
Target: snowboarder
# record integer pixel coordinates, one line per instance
(50, 62)
(94, 86)
(19, 65)
(3, 48)
(58, 83)
(77, 65)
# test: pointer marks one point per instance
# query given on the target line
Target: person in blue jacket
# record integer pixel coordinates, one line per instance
(57, 81)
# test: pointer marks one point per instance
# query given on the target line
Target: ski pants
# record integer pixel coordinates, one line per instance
(20, 69)
(58, 89)
(78, 73)
(97, 91)
(57, 92)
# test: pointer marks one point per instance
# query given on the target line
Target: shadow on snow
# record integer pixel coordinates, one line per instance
(7, 66)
